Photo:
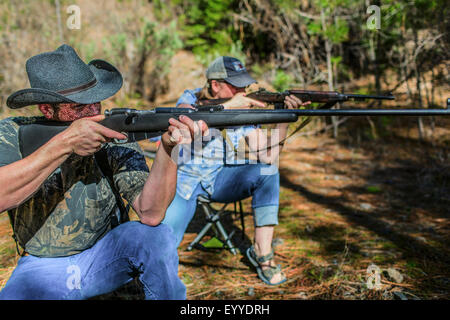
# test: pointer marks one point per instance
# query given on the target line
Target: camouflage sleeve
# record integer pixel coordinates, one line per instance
(9, 142)
(130, 169)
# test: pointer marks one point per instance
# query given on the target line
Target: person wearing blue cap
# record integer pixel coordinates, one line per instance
(62, 205)
(217, 174)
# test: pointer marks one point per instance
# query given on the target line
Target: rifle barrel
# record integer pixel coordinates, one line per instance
(363, 97)
(353, 112)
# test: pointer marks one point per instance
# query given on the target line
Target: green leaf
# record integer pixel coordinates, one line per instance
(314, 28)
(336, 60)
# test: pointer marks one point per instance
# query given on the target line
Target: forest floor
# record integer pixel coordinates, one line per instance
(344, 206)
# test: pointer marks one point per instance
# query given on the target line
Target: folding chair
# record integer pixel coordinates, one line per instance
(213, 220)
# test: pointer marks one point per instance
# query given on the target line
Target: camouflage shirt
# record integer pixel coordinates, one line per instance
(72, 209)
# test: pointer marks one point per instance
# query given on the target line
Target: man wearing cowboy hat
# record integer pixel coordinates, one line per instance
(60, 203)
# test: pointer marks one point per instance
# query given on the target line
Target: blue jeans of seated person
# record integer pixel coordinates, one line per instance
(129, 250)
(233, 183)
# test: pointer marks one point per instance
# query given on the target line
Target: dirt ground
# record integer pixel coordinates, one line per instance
(345, 205)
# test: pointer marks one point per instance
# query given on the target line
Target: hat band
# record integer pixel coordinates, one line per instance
(80, 88)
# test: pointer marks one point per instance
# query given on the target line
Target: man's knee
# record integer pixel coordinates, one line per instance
(268, 177)
(141, 236)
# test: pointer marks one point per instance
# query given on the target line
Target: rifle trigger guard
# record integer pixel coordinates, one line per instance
(118, 141)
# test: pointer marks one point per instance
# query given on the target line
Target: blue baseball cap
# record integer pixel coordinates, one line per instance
(231, 70)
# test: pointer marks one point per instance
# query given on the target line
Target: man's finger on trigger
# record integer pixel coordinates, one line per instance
(109, 133)
(96, 118)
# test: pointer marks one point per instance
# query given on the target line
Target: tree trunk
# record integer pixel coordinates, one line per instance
(58, 18)
(418, 89)
(328, 48)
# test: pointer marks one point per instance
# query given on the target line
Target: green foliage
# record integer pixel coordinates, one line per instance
(338, 31)
(88, 50)
(161, 41)
(282, 80)
(336, 60)
(235, 50)
(314, 27)
(206, 27)
(331, 27)
(114, 47)
(286, 5)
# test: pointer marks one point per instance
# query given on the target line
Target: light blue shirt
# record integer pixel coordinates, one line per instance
(201, 163)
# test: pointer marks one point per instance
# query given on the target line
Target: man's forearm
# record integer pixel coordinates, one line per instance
(21, 179)
(159, 189)
(282, 133)
(269, 149)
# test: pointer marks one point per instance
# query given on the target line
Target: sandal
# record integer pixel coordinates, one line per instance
(268, 273)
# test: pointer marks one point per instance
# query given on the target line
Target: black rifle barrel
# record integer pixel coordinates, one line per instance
(144, 124)
(355, 112)
(130, 120)
(364, 97)
(157, 119)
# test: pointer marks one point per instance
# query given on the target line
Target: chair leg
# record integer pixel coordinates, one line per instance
(213, 222)
(226, 237)
(205, 229)
(200, 236)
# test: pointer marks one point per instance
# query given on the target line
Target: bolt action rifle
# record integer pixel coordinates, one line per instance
(328, 98)
(145, 124)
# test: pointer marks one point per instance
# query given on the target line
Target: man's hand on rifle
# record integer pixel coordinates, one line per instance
(240, 101)
(292, 102)
(85, 136)
(183, 131)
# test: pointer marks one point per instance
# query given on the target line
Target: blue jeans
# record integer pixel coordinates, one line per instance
(233, 183)
(129, 250)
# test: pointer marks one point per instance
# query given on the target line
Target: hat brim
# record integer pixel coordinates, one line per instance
(109, 81)
(240, 81)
